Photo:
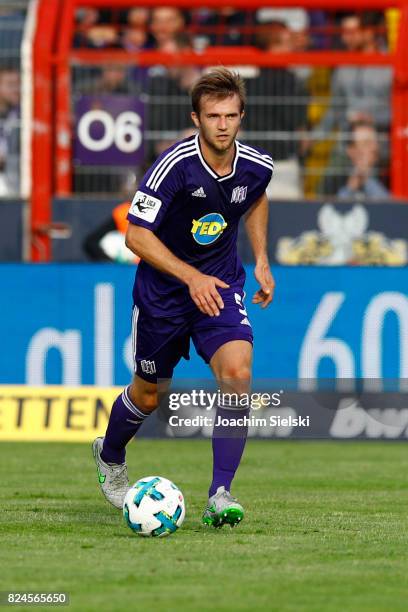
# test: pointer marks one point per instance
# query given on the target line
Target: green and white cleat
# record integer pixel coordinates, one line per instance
(112, 477)
(223, 509)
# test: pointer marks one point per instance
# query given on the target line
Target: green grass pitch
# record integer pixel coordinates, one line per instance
(325, 529)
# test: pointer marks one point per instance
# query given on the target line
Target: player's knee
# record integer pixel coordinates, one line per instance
(145, 399)
(149, 401)
(238, 372)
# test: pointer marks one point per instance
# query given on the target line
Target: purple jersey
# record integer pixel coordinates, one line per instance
(195, 213)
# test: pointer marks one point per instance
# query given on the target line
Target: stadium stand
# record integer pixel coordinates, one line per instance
(111, 92)
(290, 113)
(12, 18)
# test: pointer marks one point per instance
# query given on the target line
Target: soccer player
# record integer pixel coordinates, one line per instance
(183, 224)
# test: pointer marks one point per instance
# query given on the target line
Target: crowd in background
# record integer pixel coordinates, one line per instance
(312, 120)
(307, 118)
(11, 31)
(142, 28)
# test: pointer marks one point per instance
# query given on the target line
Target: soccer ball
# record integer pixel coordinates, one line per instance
(154, 506)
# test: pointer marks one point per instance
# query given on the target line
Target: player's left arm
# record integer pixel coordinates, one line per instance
(256, 224)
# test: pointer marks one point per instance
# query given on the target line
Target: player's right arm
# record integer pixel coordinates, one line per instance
(202, 287)
(148, 210)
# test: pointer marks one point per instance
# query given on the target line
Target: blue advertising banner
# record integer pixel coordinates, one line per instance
(109, 130)
(70, 324)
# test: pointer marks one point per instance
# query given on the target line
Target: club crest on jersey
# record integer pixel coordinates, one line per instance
(239, 194)
(209, 228)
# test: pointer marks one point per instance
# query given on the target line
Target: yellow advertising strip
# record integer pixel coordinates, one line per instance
(54, 413)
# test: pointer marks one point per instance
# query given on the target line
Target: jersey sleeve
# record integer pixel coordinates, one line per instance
(156, 192)
(258, 166)
(264, 178)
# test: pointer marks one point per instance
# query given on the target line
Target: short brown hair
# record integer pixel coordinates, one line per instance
(220, 83)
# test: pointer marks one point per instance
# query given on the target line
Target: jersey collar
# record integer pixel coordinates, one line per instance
(216, 176)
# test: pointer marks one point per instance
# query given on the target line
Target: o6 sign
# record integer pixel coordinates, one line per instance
(109, 130)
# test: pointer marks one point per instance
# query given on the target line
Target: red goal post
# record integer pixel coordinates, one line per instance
(53, 57)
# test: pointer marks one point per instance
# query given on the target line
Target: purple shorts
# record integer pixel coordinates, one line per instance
(159, 343)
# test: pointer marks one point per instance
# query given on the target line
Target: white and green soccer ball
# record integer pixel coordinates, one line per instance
(154, 506)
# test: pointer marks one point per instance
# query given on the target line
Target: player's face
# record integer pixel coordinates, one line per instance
(219, 121)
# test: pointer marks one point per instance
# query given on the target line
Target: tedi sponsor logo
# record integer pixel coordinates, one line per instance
(209, 228)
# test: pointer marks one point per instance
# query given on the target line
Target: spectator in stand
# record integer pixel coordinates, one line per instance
(224, 26)
(295, 20)
(9, 131)
(165, 24)
(85, 18)
(103, 36)
(358, 92)
(91, 33)
(135, 36)
(318, 24)
(277, 103)
(112, 79)
(138, 17)
(296, 38)
(363, 152)
(275, 37)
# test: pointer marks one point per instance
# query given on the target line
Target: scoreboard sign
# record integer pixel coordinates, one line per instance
(109, 130)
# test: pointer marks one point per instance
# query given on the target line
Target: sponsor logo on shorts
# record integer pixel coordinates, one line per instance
(209, 228)
(145, 206)
(148, 367)
(239, 194)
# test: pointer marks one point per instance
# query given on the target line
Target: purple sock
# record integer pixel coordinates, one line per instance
(124, 421)
(227, 451)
